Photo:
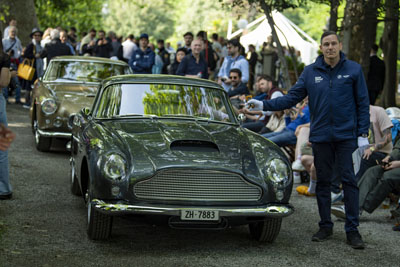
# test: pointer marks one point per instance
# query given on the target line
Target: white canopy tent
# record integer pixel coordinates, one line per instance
(288, 33)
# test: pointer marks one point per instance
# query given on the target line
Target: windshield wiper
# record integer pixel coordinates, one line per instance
(185, 116)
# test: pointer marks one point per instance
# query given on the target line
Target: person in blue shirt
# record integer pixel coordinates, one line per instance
(233, 61)
(287, 136)
(339, 108)
(194, 65)
(142, 59)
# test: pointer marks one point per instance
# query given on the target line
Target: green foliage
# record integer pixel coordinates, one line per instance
(279, 5)
(156, 18)
(4, 12)
(83, 14)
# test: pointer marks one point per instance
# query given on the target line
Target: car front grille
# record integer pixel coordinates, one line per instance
(196, 185)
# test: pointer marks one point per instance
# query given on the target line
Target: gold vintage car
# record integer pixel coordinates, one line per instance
(69, 84)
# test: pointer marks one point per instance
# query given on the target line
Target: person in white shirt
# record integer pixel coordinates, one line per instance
(128, 47)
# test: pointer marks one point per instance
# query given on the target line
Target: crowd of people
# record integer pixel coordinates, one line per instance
(324, 122)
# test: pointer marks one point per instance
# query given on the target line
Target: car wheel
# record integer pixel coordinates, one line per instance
(267, 230)
(75, 190)
(42, 143)
(99, 225)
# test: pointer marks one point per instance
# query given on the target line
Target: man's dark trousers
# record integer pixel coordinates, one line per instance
(324, 160)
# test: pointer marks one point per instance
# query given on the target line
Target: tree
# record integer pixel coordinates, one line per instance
(24, 12)
(155, 18)
(268, 6)
(359, 30)
(83, 14)
(389, 44)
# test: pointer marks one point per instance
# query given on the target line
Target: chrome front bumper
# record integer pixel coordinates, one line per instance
(270, 210)
(54, 134)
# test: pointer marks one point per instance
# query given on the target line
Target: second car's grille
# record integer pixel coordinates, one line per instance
(196, 185)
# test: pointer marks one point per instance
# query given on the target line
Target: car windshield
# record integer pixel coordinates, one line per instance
(164, 101)
(83, 71)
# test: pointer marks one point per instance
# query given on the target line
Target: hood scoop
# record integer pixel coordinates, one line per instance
(194, 146)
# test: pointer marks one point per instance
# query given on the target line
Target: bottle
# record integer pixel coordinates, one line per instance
(296, 178)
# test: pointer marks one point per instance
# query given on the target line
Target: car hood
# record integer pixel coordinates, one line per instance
(73, 97)
(166, 142)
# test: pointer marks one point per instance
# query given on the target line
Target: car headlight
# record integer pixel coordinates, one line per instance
(277, 171)
(114, 167)
(49, 106)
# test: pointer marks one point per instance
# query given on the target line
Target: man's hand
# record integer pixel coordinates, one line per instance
(362, 141)
(255, 104)
(6, 137)
(386, 159)
(367, 153)
(392, 165)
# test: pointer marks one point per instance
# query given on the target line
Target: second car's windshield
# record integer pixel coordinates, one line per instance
(164, 101)
(82, 71)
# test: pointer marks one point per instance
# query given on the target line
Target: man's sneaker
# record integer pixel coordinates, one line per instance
(322, 234)
(297, 166)
(354, 240)
(339, 211)
(26, 106)
(336, 198)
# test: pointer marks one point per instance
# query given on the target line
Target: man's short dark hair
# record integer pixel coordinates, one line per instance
(375, 48)
(238, 71)
(73, 29)
(93, 30)
(102, 32)
(160, 41)
(214, 36)
(327, 33)
(188, 33)
(202, 34)
(234, 42)
(268, 79)
(131, 36)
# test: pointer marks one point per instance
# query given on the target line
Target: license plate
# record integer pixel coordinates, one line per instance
(199, 215)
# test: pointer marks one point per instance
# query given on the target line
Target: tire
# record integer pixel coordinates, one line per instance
(267, 230)
(42, 143)
(75, 190)
(99, 225)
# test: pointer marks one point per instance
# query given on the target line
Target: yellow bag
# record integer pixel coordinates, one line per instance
(26, 70)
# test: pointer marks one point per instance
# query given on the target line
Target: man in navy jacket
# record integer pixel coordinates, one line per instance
(142, 59)
(339, 108)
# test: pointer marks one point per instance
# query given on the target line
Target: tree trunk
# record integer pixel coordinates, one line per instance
(25, 14)
(267, 11)
(359, 30)
(334, 15)
(369, 24)
(389, 41)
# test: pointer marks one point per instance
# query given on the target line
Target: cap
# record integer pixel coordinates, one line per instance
(35, 30)
(144, 35)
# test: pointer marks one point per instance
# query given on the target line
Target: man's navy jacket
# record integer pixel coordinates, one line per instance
(338, 100)
(142, 61)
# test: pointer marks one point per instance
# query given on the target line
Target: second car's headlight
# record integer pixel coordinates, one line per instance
(114, 167)
(277, 171)
(49, 106)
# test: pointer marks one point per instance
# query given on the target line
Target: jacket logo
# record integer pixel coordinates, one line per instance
(339, 76)
(318, 79)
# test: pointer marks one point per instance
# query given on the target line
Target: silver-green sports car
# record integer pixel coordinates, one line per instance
(170, 149)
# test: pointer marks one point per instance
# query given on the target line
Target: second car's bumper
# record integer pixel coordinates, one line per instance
(269, 210)
(54, 134)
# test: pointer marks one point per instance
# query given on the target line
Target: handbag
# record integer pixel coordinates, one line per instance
(26, 70)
